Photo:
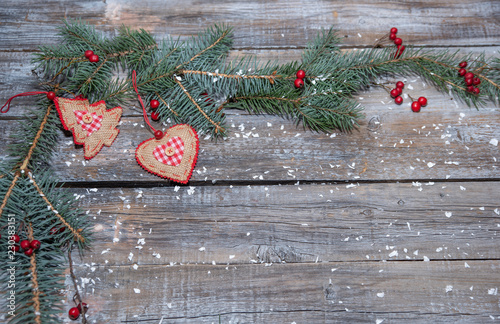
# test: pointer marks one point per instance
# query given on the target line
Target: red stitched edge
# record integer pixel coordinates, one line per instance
(192, 164)
(56, 102)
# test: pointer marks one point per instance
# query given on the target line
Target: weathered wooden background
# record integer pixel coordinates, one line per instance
(395, 222)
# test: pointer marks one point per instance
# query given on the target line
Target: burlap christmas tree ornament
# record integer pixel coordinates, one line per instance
(93, 126)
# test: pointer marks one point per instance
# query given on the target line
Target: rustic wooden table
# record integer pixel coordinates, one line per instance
(394, 222)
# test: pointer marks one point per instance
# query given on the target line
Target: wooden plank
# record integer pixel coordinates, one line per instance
(263, 24)
(444, 141)
(360, 292)
(375, 151)
(290, 224)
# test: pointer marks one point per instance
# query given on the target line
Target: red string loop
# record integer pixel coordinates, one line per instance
(134, 83)
(24, 94)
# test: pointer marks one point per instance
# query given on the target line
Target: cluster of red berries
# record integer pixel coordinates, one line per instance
(91, 56)
(74, 312)
(156, 116)
(28, 246)
(299, 82)
(397, 41)
(471, 81)
(154, 104)
(396, 94)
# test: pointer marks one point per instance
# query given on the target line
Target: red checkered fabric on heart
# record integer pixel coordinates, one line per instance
(92, 126)
(177, 144)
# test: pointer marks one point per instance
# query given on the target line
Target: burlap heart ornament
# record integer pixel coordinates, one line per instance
(173, 156)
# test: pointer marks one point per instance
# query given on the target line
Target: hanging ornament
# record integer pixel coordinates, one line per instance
(93, 126)
(171, 154)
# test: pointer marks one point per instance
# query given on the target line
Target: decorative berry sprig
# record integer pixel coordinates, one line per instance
(299, 82)
(89, 54)
(396, 94)
(471, 81)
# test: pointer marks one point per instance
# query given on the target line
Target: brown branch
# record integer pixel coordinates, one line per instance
(35, 140)
(131, 51)
(75, 60)
(75, 232)
(95, 72)
(73, 278)
(57, 87)
(271, 77)
(440, 77)
(268, 98)
(224, 34)
(86, 41)
(217, 126)
(8, 193)
(34, 280)
(168, 106)
(171, 52)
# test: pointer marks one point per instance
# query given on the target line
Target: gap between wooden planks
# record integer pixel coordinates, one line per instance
(262, 24)
(293, 224)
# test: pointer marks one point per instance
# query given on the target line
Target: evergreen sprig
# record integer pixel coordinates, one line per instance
(194, 83)
(33, 206)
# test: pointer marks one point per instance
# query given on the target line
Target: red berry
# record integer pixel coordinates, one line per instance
(469, 75)
(398, 100)
(94, 58)
(298, 83)
(398, 41)
(15, 238)
(470, 88)
(154, 104)
(51, 95)
(400, 84)
(28, 252)
(400, 90)
(35, 244)
(53, 231)
(415, 106)
(73, 313)
(462, 72)
(394, 93)
(476, 81)
(158, 134)
(401, 49)
(155, 116)
(208, 99)
(394, 30)
(301, 74)
(476, 91)
(15, 248)
(89, 53)
(392, 36)
(463, 64)
(468, 81)
(25, 244)
(85, 307)
(422, 101)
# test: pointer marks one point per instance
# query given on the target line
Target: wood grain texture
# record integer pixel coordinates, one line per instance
(419, 292)
(395, 222)
(294, 223)
(262, 24)
(391, 143)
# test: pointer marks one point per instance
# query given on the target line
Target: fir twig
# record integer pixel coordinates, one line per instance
(76, 233)
(77, 293)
